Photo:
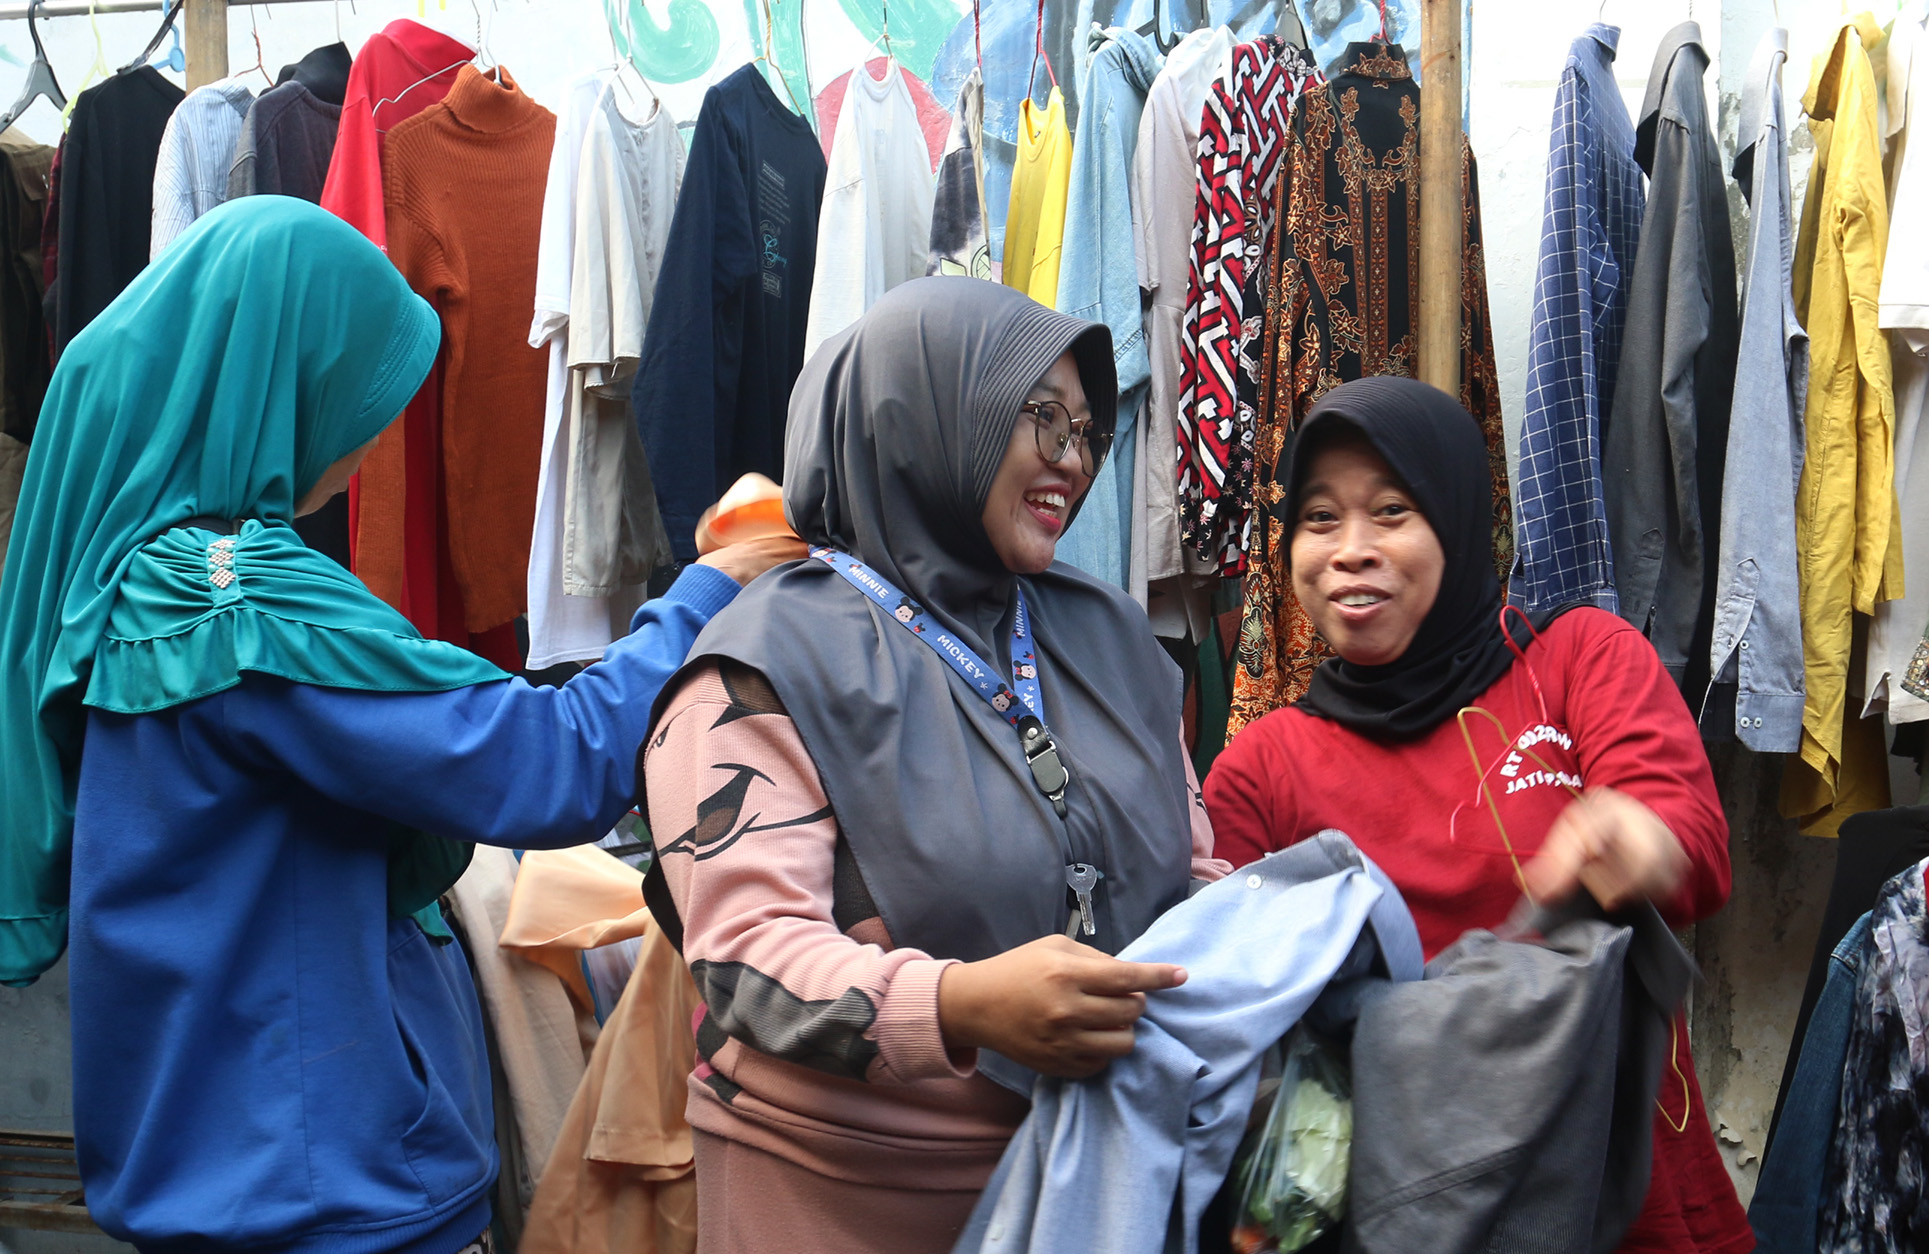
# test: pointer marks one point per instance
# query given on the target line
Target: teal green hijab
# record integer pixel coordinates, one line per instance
(269, 341)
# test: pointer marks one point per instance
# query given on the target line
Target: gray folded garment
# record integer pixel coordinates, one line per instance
(1504, 1103)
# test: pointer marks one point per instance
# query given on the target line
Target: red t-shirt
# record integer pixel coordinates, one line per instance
(1591, 707)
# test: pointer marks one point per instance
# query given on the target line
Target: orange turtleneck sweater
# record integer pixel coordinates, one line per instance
(463, 189)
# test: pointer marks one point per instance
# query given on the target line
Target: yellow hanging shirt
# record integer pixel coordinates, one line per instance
(1040, 180)
(1847, 525)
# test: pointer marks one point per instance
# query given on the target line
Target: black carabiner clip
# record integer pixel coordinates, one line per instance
(1042, 756)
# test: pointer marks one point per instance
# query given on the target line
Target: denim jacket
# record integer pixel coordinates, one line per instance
(1756, 652)
(1098, 279)
(1788, 1193)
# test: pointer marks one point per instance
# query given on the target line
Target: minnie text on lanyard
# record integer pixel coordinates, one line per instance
(1021, 703)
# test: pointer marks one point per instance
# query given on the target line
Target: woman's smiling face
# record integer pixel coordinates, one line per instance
(1366, 563)
(1031, 498)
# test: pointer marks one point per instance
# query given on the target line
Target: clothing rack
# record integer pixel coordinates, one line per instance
(204, 27)
(205, 39)
(80, 8)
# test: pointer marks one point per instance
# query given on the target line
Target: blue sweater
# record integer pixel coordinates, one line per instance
(262, 1057)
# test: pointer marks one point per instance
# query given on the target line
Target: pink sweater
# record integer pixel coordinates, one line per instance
(820, 1042)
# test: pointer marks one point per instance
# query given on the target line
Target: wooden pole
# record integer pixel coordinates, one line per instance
(1441, 198)
(205, 41)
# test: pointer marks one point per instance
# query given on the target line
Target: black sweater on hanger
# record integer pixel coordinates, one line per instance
(107, 193)
(324, 72)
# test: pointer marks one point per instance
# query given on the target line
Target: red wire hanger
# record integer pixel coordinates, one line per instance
(1038, 54)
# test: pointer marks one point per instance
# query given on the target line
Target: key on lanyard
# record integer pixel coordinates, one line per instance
(1082, 878)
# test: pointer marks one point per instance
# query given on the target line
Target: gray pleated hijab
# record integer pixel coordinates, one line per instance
(897, 429)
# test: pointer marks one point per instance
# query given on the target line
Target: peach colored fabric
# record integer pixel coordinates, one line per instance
(621, 1178)
(569, 900)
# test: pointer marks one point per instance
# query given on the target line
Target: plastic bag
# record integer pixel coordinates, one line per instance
(1291, 1168)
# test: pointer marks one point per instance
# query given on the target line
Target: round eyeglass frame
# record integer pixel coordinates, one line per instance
(1052, 426)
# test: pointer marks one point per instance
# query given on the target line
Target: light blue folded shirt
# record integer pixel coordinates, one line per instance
(1119, 1161)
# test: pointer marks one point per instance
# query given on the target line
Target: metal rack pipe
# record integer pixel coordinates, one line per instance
(79, 8)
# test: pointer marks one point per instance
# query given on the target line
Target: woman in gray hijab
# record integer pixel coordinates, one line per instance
(910, 794)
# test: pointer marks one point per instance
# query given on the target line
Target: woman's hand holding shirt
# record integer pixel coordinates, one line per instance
(1054, 1005)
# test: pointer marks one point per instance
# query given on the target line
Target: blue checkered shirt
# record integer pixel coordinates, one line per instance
(1592, 222)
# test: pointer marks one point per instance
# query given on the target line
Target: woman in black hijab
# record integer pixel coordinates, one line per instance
(909, 794)
(1475, 760)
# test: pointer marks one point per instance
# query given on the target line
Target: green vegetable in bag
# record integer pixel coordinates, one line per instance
(1291, 1168)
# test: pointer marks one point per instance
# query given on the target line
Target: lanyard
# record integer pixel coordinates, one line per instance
(1017, 703)
(1020, 703)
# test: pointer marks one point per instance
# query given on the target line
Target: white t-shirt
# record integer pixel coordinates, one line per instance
(561, 628)
(875, 228)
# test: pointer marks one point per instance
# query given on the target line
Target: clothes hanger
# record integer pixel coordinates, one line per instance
(884, 40)
(99, 69)
(396, 98)
(40, 76)
(1165, 41)
(625, 69)
(168, 18)
(621, 78)
(261, 63)
(620, 61)
(803, 51)
(770, 38)
(1486, 794)
(1038, 54)
(485, 59)
(376, 109)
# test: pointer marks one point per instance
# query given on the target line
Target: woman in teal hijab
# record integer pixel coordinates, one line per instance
(235, 781)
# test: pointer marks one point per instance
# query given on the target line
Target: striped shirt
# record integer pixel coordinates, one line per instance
(197, 150)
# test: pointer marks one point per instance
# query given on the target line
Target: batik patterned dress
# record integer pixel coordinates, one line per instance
(1345, 305)
(1242, 146)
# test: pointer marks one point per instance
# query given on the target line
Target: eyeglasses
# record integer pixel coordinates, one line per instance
(1056, 433)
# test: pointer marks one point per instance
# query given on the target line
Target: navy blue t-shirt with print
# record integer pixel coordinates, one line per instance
(726, 333)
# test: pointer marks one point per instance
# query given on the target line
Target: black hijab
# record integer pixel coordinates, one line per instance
(1437, 451)
(897, 428)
